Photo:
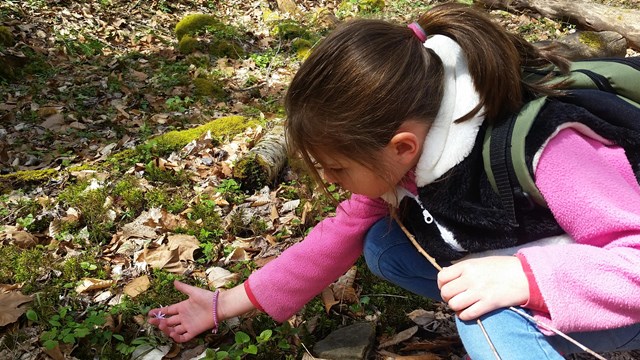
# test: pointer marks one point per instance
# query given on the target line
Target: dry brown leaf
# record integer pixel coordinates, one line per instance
(137, 286)
(219, 277)
(11, 306)
(422, 317)
(172, 256)
(399, 337)
(55, 353)
(391, 356)
(138, 75)
(54, 123)
(345, 294)
(89, 284)
(9, 287)
(328, 299)
(21, 239)
(238, 254)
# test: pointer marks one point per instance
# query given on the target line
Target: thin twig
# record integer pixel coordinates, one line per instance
(435, 264)
(486, 336)
(386, 295)
(560, 333)
(520, 312)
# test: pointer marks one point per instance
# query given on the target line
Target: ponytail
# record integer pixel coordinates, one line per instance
(495, 57)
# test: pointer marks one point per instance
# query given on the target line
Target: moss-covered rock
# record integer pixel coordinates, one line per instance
(195, 23)
(222, 39)
(188, 45)
(209, 87)
(290, 29)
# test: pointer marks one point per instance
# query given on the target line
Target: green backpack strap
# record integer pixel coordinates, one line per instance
(501, 165)
(504, 143)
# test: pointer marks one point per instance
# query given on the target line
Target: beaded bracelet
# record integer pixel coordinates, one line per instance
(215, 311)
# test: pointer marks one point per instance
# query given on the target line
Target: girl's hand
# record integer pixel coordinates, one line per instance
(475, 287)
(187, 319)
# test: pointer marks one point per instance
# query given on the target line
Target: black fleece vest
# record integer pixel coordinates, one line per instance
(465, 208)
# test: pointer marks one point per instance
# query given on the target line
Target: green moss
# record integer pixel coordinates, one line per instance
(592, 40)
(93, 214)
(188, 45)
(195, 23)
(291, 29)
(251, 173)
(26, 177)
(129, 195)
(6, 38)
(301, 44)
(158, 197)
(226, 48)
(225, 126)
(364, 6)
(209, 87)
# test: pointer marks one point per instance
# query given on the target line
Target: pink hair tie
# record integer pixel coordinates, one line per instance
(418, 31)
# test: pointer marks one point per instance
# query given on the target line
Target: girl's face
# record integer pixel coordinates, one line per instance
(359, 179)
(393, 162)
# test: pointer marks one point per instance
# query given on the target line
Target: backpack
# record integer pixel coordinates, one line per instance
(504, 143)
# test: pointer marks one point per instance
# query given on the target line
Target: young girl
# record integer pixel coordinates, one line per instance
(396, 115)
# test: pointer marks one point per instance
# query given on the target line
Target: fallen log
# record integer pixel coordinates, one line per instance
(262, 164)
(588, 44)
(582, 12)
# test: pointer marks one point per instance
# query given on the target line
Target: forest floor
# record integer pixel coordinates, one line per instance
(117, 148)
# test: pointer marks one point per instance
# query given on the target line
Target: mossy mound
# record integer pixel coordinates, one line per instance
(209, 87)
(6, 37)
(226, 48)
(188, 45)
(196, 23)
(25, 177)
(365, 6)
(291, 29)
(223, 40)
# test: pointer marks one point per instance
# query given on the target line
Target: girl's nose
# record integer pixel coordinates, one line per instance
(328, 177)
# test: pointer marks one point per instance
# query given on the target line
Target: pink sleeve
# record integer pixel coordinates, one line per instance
(592, 192)
(302, 271)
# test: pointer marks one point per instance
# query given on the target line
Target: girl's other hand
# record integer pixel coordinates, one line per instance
(187, 319)
(475, 287)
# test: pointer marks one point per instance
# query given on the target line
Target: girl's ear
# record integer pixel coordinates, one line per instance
(405, 147)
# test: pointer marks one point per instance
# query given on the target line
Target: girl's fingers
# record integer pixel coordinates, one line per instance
(452, 288)
(173, 321)
(180, 330)
(474, 311)
(447, 274)
(183, 288)
(462, 301)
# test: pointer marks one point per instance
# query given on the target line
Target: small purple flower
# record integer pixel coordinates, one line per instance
(160, 314)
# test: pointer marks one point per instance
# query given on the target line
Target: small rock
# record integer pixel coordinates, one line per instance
(352, 342)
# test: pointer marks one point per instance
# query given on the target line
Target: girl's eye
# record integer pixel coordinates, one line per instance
(335, 170)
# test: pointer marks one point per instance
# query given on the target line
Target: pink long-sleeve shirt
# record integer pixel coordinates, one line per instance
(600, 272)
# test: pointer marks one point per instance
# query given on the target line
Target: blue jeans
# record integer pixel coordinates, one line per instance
(391, 256)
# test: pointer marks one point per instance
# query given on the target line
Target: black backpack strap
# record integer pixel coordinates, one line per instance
(505, 163)
(499, 160)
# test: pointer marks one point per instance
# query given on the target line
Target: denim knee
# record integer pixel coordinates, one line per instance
(391, 256)
(376, 242)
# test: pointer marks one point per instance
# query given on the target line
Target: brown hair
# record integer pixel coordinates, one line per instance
(369, 76)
